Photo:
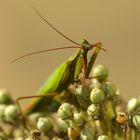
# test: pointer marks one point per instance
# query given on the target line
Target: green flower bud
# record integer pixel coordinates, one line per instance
(95, 83)
(65, 111)
(28, 139)
(118, 92)
(35, 116)
(44, 124)
(82, 93)
(103, 137)
(109, 89)
(18, 133)
(2, 112)
(62, 125)
(78, 119)
(97, 96)
(3, 136)
(11, 113)
(94, 111)
(132, 105)
(138, 100)
(5, 97)
(86, 134)
(20, 138)
(136, 121)
(54, 138)
(101, 72)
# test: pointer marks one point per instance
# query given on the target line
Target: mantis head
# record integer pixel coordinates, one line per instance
(85, 44)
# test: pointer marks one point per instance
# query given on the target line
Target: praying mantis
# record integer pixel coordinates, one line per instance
(64, 75)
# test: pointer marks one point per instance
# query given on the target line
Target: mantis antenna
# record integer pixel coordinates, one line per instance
(46, 21)
(60, 48)
(43, 51)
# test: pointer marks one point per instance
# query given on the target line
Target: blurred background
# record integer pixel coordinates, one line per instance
(115, 23)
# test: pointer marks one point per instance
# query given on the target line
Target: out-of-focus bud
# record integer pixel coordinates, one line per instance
(18, 133)
(65, 111)
(86, 134)
(95, 83)
(61, 125)
(136, 121)
(100, 72)
(103, 137)
(5, 97)
(109, 89)
(78, 119)
(35, 116)
(2, 112)
(82, 93)
(11, 113)
(132, 105)
(97, 96)
(44, 124)
(94, 111)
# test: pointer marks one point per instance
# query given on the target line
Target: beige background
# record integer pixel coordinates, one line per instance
(114, 22)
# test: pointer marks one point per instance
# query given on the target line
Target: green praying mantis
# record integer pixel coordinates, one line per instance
(64, 75)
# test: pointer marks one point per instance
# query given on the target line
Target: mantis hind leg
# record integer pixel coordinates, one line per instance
(29, 97)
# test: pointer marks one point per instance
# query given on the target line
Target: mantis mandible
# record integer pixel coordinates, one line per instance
(66, 73)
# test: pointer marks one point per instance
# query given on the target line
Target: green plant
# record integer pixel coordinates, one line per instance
(93, 110)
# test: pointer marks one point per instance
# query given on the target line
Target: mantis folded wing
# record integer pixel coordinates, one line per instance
(58, 81)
